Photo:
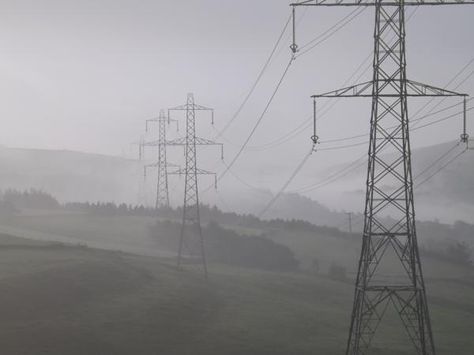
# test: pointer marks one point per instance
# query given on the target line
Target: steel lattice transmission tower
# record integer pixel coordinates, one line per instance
(191, 241)
(162, 191)
(389, 190)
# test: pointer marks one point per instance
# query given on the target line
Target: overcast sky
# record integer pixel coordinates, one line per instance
(83, 75)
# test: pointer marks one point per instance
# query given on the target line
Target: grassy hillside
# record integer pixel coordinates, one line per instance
(142, 305)
(133, 234)
(71, 300)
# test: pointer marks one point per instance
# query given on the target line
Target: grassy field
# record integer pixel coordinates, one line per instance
(74, 300)
(57, 299)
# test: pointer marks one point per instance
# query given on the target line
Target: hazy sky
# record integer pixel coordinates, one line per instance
(83, 75)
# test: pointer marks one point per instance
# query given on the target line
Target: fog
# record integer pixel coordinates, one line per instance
(266, 262)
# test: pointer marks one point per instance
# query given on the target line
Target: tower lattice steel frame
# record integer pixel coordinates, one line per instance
(162, 190)
(389, 187)
(191, 241)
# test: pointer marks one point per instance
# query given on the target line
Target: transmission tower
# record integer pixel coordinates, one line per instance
(162, 193)
(191, 242)
(389, 183)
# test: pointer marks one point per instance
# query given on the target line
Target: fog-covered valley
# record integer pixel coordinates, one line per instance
(84, 177)
(236, 178)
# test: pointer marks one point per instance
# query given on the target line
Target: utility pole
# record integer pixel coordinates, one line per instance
(162, 192)
(389, 187)
(191, 242)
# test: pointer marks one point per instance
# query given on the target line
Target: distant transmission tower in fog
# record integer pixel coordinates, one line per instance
(162, 191)
(389, 190)
(191, 241)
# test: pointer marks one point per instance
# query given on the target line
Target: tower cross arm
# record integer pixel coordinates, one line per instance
(182, 141)
(204, 141)
(382, 2)
(182, 171)
(389, 184)
(155, 165)
(389, 88)
(158, 119)
(192, 106)
(161, 119)
(198, 141)
(204, 172)
(177, 141)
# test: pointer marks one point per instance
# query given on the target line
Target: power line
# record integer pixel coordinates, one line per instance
(441, 119)
(321, 35)
(344, 146)
(449, 83)
(285, 185)
(334, 176)
(437, 161)
(441, 168)
(305, 124)
(332, 31)
(346, 170)
(413, 129)
(302, 127)
(259, 77)
(430, 113)
(241, 180)
(259, 120)
(191, 240)
(288, 136)
(413, 120)
(373, 291)
(297, 22)
(273, 51)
